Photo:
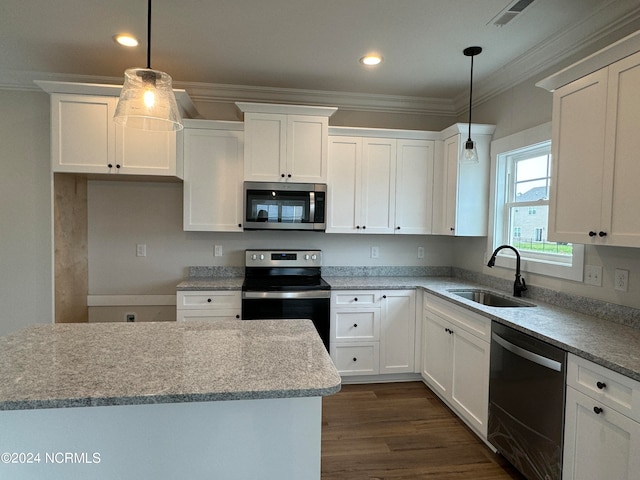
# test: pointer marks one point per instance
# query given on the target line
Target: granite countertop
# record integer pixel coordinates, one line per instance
(610, 344)
(211, 283)
(100, 364)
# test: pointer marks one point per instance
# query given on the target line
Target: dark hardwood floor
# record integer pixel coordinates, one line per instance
(401, 431)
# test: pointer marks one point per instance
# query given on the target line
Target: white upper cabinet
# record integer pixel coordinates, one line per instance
(461, 190)
(285, 143)
(414, 187)
(85, 139)
(213, 176)
(379, 185)
(595, 142)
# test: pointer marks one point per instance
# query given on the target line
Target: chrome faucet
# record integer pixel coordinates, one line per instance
(519, 285)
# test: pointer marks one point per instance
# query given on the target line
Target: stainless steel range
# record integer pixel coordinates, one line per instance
(286, 284)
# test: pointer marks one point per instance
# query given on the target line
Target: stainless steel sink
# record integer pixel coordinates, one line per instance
(490, 299)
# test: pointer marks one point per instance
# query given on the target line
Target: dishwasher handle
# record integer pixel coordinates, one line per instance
(526, 354)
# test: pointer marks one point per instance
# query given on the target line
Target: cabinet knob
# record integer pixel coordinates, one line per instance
(289, 175)
(597, 410)
(397, 228)
(237, 316)
(601, 385)
(209, 300)
(358, 227)
(117, 165)
(355, 359)
(592, 233)
(355, 325)
(364, 226)
(602, 234)
(384, 296)
(282, 175)
(239, 225)
(109, 165)
(452, 229)
(355, 299)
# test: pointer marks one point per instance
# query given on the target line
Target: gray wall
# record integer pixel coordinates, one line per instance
(25, 211)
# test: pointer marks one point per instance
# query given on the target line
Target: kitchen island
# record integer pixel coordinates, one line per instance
(227, 399)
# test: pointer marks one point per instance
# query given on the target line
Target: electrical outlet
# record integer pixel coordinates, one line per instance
(375, 253)
(217, 250)
(420, 252)
(141, 250)
(130, 317)
(593, 275)
(621, 280)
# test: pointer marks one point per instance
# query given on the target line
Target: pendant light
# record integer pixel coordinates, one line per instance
(147, 100)
(469, 152)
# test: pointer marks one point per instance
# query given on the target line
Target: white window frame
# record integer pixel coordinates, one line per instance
(499, 152)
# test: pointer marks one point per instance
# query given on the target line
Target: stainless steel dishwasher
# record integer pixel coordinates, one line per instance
(526, 402)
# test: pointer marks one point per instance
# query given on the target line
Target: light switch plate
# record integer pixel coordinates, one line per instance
(141, 250)
(217, 250)
(593, 275)
(375, 252)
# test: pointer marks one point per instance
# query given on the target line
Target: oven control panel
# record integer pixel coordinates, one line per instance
(283, 258)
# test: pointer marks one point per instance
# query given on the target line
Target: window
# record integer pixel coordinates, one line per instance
(523, 169)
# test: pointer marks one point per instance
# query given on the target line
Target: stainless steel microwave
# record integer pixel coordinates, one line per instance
(284, 206)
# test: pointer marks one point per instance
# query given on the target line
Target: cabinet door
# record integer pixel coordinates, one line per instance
(213, 180)
(83, 133)
(307, 143)
(470, 378)
(345, 159)
(578, 142)
(449, 186)
(598, 445)
(436, 353)
(139, 152)
(265, 148)
(414, 187)
(621, 195)
(398, 323)
(378, 186)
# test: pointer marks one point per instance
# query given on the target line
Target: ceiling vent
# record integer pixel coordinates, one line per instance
(510, 12)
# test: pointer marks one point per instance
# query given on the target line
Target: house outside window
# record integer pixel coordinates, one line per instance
(521, 209)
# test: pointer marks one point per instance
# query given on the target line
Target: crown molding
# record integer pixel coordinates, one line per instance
(583, 38)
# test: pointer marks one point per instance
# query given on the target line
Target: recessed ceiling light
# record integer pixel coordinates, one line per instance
(126, 40)
(371, 60)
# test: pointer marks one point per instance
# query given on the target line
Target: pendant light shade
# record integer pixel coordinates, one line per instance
(147, 101)
(469, 153)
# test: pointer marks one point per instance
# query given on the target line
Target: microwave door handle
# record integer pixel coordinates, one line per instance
(312, 206)
(526, 354)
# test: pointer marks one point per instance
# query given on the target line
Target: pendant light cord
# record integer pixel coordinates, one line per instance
(470, 95)
(149, 37)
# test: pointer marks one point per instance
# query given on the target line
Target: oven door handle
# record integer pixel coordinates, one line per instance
(287, 295)
(526, 354)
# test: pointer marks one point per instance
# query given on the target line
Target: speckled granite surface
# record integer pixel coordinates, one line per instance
(602, 332)
(211, 283)
(613, 345)
(78, 365)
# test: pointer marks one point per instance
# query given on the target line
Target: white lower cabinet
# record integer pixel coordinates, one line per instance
(208, 305)
(372, 331)
(602, 429)
(455, 360)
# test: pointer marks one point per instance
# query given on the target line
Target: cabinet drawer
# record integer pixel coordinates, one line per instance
(357, 325)
(355, 298)
(356, 358)
(607, 387)
(472, 322)
(208, 299)
(210, 314)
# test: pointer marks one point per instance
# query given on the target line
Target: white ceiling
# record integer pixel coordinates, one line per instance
(305, 44)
